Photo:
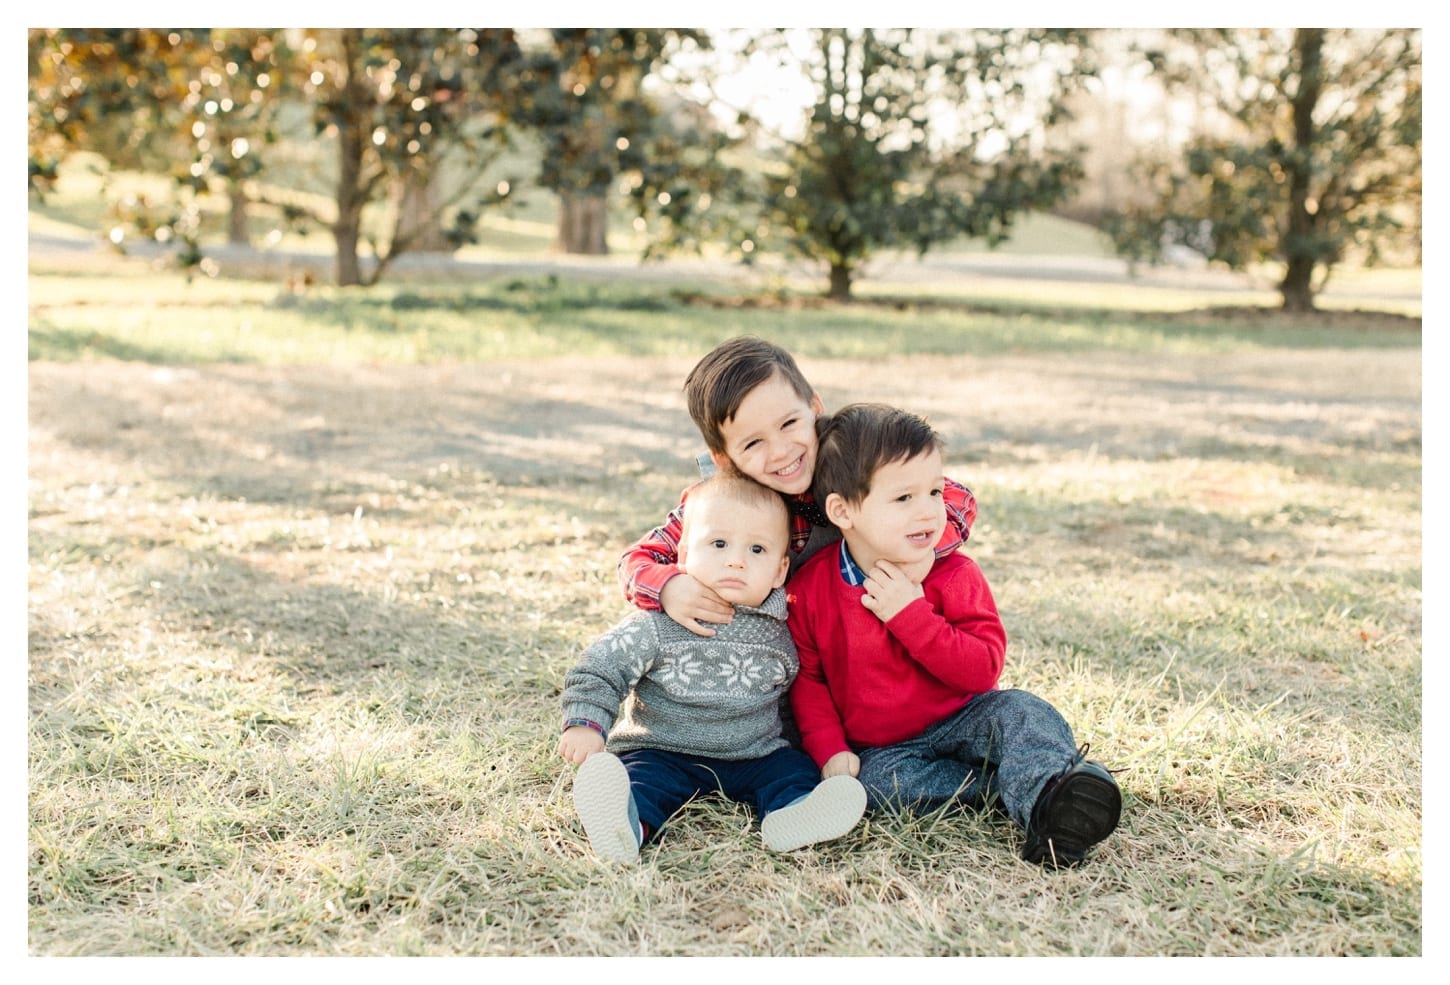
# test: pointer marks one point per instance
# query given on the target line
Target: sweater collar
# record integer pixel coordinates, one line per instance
(773, 606)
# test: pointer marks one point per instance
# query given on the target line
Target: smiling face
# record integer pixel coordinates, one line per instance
(772, 437)
(737, 549)
(900, 519)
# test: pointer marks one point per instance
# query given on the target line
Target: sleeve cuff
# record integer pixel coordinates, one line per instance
(570, 723)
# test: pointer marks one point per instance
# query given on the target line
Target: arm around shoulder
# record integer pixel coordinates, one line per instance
(650, 562)
(961, 507)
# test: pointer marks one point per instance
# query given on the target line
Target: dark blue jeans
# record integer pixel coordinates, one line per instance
(1008, 743)
(663, 782)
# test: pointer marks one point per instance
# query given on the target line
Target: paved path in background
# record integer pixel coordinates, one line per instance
(910, 268)
(907, 270)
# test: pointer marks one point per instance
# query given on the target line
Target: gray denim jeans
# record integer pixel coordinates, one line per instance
(1008, 743)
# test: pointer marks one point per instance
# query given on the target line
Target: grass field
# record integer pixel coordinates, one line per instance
(306, 569)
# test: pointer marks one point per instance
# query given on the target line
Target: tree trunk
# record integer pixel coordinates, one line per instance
(1301, 251)
(345, 236)
(840, 282)
(352, 139)
(419, 222)
(583, 224)
(1297, 288)
(238, 229)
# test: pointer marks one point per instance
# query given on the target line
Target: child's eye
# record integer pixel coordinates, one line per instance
(937, 493)
(757, 549)
(718, 542)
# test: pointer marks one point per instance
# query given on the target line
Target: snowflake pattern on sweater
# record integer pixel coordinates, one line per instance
(651, 683)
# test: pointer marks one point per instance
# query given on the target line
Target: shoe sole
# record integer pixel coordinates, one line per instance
(1086, 811)
(829, 811)
(601, 798)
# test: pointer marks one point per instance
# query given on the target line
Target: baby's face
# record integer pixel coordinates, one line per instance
(737, 551)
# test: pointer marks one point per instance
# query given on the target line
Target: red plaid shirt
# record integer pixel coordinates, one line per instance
(645, 567)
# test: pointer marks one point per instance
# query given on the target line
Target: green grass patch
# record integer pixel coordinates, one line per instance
(159, 318)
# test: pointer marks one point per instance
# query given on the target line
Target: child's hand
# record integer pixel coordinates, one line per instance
(579, 742)
(842, 764)
(889, 590)
(690, 603)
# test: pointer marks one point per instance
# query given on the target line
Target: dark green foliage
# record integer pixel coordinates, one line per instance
(596, 122)
(915, 137)
(402, 104)
(202, 105)
(198, 105)
(1313, 155)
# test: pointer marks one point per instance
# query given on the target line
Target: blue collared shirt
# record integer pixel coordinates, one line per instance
(851, 572)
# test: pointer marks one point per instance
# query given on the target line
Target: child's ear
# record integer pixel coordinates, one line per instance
(817, 407)
(838, 511)
(722, 461)
(784, 570)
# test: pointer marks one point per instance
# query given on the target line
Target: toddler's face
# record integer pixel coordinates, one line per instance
(902, 517)
(772, 437)
(738, 551)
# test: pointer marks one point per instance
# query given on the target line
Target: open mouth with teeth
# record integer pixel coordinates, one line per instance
(792, 469)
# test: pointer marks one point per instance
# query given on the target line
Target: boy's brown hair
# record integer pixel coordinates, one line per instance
(859, 439)
(719, 382)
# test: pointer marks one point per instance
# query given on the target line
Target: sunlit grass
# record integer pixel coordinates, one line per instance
(306, 566)
(158, 317)
(305, 571)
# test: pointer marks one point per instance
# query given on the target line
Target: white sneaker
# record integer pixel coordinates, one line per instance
(829, 811)
(606, 808)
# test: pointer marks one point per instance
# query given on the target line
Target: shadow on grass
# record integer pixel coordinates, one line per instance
(49, 342)
(321, 636)
(297, 439)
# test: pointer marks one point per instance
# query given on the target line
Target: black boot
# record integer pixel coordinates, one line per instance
(1077, 809)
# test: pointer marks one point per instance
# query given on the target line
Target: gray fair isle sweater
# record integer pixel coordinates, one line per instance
(653, 684)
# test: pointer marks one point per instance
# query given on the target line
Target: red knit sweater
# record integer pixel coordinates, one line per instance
(863, 682)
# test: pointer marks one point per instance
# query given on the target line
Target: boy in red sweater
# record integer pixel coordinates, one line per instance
(757, 414)
(900, 651)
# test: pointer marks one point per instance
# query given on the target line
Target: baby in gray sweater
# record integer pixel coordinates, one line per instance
(656, 715)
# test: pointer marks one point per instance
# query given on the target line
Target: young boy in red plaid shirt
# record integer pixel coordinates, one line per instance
(757, 414)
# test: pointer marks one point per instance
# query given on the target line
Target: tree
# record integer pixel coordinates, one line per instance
(595, 120)
(415, 118)
(102, 90)
(238, 83)
(914, 138)
(1312, 153)
(195, 104)
(403, 105)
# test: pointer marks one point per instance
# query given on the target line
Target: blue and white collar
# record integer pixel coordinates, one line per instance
(851, 572)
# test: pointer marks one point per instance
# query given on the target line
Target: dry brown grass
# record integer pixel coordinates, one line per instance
(296, 635)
